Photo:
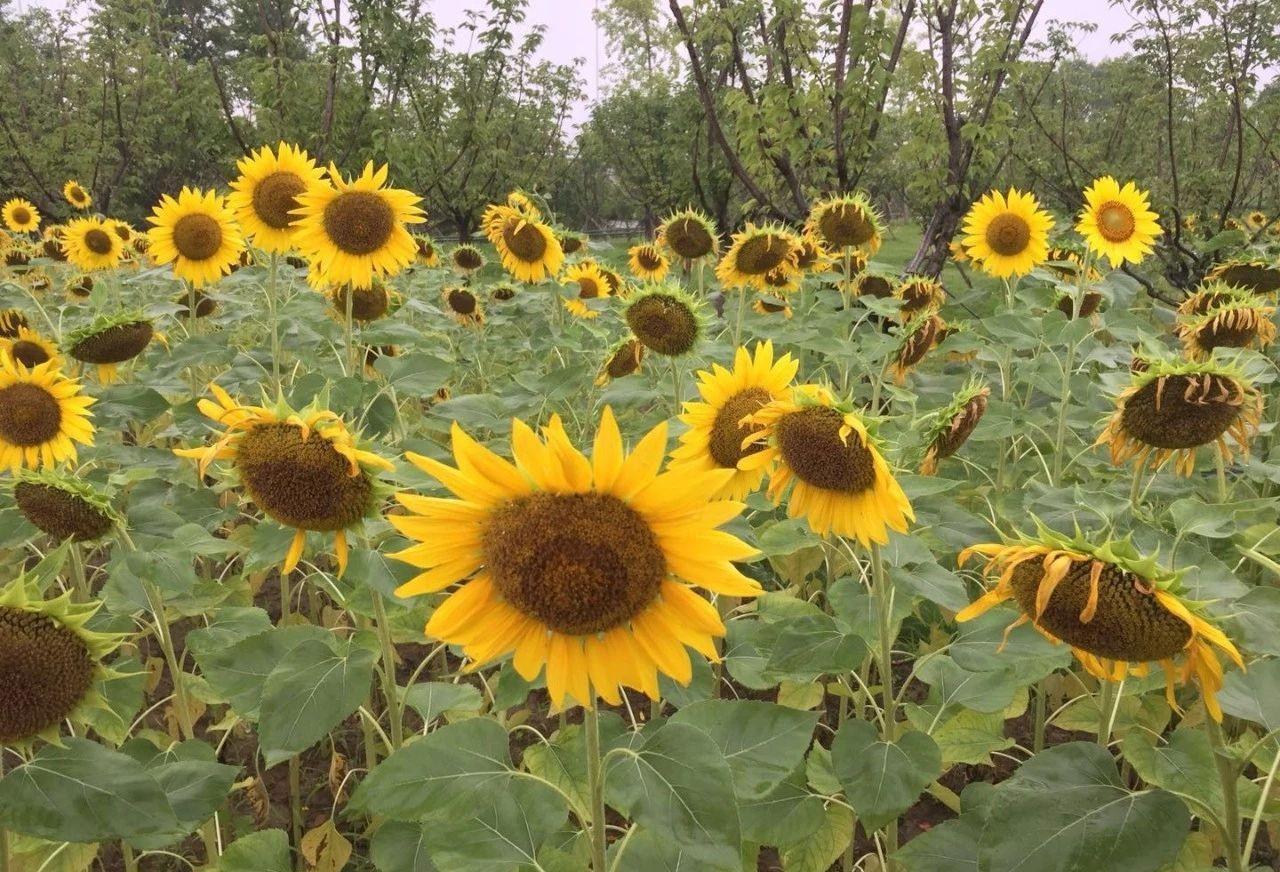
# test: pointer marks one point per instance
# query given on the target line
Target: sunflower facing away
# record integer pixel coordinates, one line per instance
(528, 249)
(647, 262)
(91, 245)
(920, 295)
(584, 567)
(846, 222)
(772, 306)
(1259, 276)
(64, 506)
(1220, 316)
(466, 259)
(666, 320)
(355, 229)
(624, 360)
(917, 339)
(839, 481)
(110, 341)
(367, 304)
(265, 196)
(591, 284)
(20, 215)
(428, 253)
(719, 423)
(689, 234)
(303, 468)
(953, 424)
(42, 416)
(463, 306)
(1171, 408)
(754, 253)
(197, 233)
(571, 242)
(29, 348)
(1007, 235)
(1118, 611)
(813, 258)
(1117, 222)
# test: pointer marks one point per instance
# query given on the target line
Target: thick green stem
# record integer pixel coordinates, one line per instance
(273, 274)
(1135, 489)
(390, 687)
(595, 785)
(78, 576)
(742, 310)
(1229, 777)
(295, 801)
(883, 588)
(676, 389)
(1223, 491)
(1106, 701)
(1060, 437)
(5, 864)
(1037, 735)
(348, 324)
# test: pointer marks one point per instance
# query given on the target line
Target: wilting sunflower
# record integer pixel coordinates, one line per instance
(953, 424)
(197, 234)
(919, 295)
(666, 320)
(29, 348)
(813, 258)
(571, 242)
(265, 196)
(583, 566)
(689, 234)
(858, 264)
(875, 284)
(1259, 276)
(754, 253)
(51, 246)
(1066, 260)
(367, 304)
(718, 424)
(79, 286)
(141, 244)
(428, 254)
(463, 306)
(959, 254)
(647, 262)
(825, 455)
(374, 353)
(1231, 224)
(772, 306)
(1119, 611)
(617, 285)
(20, 215)
(42, 416)
(64, 506)
(1171, 408)
(206, 305)
(591, 284)
(1087, 308)
(91, 245)
(303, 468)
(1007, 235)
(1221, 316)
(76, 195)
(624, 360)
(1255, 219)
(18, 254)
(528, 249)
(503, 292)
(783, 282)
(50, 664)
(38, 281)
(466, 259)
(1117, 222)
(355, 229)
(846, 222)
(918, 337)
(110, 341)
(12, 322)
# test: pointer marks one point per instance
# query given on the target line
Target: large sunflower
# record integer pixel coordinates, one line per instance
(583, 566)
(592, 284)
(265, 196)
(1119, 612)
(355, 230)
(1171, 408)
(952, 425)
(29, 348)
(647, 262)
(197, 234)
(754, 253)
(20, 216)
(824, 454)
(1007, 235)
(91, 245)
(718, 424)
(689, 234)
(76, 195)
(1221, 316)
(42, 416)
(1117, 222)
(64, 506)
(109, 341)
(666, 319)
(528, 249)
(304, 468)
(1259, 276)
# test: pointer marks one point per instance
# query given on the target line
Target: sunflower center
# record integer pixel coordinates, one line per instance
(462, 302)
(29, 415)
(579, 563)
(115, 344)
(1008, 234)
(727, 431)
(21, 215)
(759, 254)
(648, 258)
(664, 324)
(123, 231)
(845, 225)
(60, 513)
(1129, 623)
(45, 671)
(467, 258)
(29, 354)
(97, 241)
(275, 197)
(812, 448)
(1116, 222)
(524, 240)
(689, 238)
(1180, 411)
(302, 483)
(625, 360)
(588, 288)
(1222, 331)
(197, 236)
(1258, 278)
(359, 222)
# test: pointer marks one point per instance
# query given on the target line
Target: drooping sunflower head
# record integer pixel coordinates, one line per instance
(79, 286)
(1190, 221)
(503, 292)
(356, 229)
(20, 215)
(571, 241)
(91, 245)
(29, 349)
(1007, 234)
(1173, 407)
(38, 281)
(647, 262)
(141, 244)
(265, 196)
(367, 304)
(847, 221)
(18, 254)
(689, 234)
(109, 341)
(466, 259)
(206, 305)
(754, 253)
(428, 253)
(463, 306)
(197, 233)
(719, 424)
(1119, 611)
(590, 283)
(374, 353)
(813, 258)
(917, 338)
(1259, 276)
(772, 306)
(303, 468)
(858, 263)
(1221, 316)
(12, 323)
(76, 195)
(51, 247)
(585, 567)
(946, 430)
(666, 320)
(872, 283)
(920, 295)
(1090, 301)
(42, 416)
(623, 360)
(1065, 259)
(783, 282)
(64, 506)
(1117, 222)
(528, 248)
(830, 462)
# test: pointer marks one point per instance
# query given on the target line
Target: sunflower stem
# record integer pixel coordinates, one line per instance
(846, 280)
(675, 387)
(389, 685)
(273, 274)
(595, 784)
(742, 308)
(1223, 492)
(1229, 776)
(285, 598)
(1135, 489)
(1037, 735)
(78, 576)
(1107, 701)
(1256, 820)
(295, 800)
(349, 331)
(1058, 440)
(884, 600)
(191, 309)
(5, 865)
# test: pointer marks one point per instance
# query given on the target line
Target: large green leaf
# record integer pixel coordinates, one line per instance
(763, 742)
(1254, 695)
(883, 779)
(501, 830)
(789, 813)
(400, 846)
(238, 672)
(264, 851)
(817, 851)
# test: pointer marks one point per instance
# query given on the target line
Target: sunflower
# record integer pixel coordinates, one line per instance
(919, 295)
(858, 264)
(718, 423)
(870, 283)
(783, 282)
(428, 254)
(374, 353)
(952, 425)
(842, 484)
(959, 254)
(666, 319)
(1255, 219)
(689, 234)
(355, 229)
(466, 259)
(90, 245)
(38, 281)
(503, 292)
(76, 195)
(18, 255)
(1231, 224)
(1089, 303)
(647, 262)
(528, 249)
(917, 339)
(12, 322)
(50, 664)
(1171, 408)
(1119, 611)
(617, 285)
(1259, 276)
(584, 567)
(1221, 316)
(42, 416)
(772, 306)
(367, 303)
(206, 305)
(1117, 222)
(109, 341)
(265, 196)
(463, 305)
(523, 203)
(754, 253)
(79, 286)
(846, 222)
(141, 244)
(64, 506)
(123, 229)
(304, 468)
(1066, 260)
(29, 348)
(813, 258)
(1006, 235)
(592, 285)
(20, 215)
(571, 242)
(624, 360)
(51, 247)
(1190, 221)
(197, 233)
